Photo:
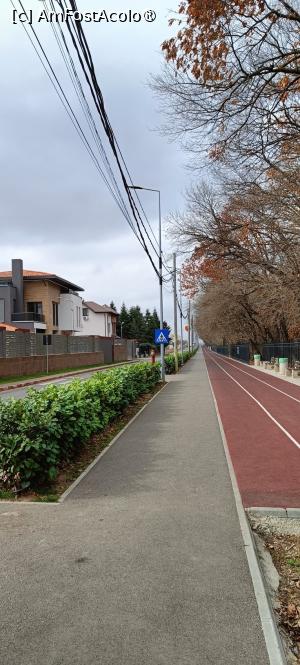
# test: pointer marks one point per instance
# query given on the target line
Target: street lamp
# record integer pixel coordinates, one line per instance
(121, 323)
(161, 317)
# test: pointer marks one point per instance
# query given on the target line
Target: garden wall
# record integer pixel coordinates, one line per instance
(25, 366)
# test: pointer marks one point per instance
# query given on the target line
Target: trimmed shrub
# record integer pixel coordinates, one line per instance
(170, 360)
(47, 426)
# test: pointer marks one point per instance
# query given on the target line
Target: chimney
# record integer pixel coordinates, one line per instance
(17, 280)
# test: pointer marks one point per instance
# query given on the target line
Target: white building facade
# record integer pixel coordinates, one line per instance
(70, 318)
(98, 320)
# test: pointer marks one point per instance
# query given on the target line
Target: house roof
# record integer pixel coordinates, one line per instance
(9, 328)
(32, 275)
(99, 309)
(26, 273)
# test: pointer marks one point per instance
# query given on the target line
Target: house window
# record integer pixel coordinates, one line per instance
(35, 307)
(85, 311)
(78, 317)
(55, 313)
(2, 311)
(108, 329)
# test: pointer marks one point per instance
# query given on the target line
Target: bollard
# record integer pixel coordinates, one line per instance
(283, 365)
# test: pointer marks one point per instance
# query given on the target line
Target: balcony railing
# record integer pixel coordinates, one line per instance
(28, 316)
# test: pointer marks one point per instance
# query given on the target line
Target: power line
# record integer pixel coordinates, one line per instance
(86, 61)
(97, 96)
(69, 62)
(65, 102)
(105, 122)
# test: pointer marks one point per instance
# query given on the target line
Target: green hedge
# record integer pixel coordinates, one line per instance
(170, 360)
(46, 427)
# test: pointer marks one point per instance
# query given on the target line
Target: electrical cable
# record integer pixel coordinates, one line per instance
(64, 100)
(84, 103)
(85, 57)
(99, 103)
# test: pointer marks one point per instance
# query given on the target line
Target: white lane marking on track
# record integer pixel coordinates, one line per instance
(260, 380)
(260, 405)
(273, 641)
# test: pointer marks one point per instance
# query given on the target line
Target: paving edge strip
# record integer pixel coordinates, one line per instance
(289, 379)
(269, 626)
(291, 513)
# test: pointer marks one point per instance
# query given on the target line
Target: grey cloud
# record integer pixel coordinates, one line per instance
(55, 210)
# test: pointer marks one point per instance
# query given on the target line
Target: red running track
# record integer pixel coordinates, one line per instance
(261, 420)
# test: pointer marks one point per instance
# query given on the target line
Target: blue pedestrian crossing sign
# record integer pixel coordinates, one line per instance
(161, 336)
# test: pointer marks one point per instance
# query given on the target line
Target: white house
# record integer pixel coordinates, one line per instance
(70, 312)
(98, 320)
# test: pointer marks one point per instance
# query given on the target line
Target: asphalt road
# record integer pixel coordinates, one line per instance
(19, 393)
(144, 562)
(260, 416)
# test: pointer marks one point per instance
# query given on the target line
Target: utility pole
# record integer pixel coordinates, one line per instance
(175, 312)
(181, 321)
(189, 337)
(161, 312)
(192, 331)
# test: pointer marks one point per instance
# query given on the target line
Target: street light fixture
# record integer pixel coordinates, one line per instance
(121, 323)
(161, 317)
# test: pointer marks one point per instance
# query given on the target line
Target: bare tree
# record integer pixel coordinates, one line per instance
(233, 82)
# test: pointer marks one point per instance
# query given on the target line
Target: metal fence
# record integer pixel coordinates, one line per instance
(23, 344)
(239, 351)
(290, 350)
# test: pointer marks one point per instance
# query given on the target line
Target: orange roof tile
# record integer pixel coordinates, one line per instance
(26, 273)
(35, 274)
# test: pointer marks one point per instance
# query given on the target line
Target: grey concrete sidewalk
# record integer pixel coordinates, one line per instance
(144, 563)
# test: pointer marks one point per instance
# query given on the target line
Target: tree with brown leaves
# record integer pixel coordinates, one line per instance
(233, 86)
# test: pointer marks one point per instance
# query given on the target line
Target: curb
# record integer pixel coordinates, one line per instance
(50, 377)
(106, 449)
(292, 513)
(269, 626)
(288, 379)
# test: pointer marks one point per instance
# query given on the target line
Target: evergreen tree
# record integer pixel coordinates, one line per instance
(155, 319)
(136, 324)
(123, 319)
(113, 306)
(148, 321)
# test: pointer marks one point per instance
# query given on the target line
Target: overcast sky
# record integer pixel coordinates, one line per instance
(56, 212)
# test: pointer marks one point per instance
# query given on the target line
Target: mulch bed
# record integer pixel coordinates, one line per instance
(285, 553)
